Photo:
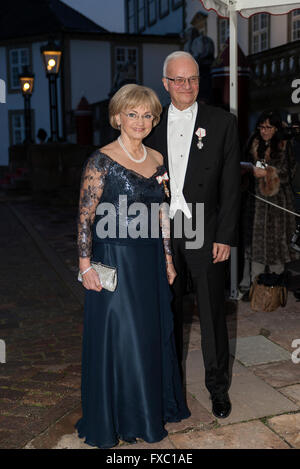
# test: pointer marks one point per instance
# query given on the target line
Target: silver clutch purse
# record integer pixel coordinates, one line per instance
(107, 275)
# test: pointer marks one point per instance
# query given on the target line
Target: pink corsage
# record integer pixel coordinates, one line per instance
(200, 134)
(163, 179)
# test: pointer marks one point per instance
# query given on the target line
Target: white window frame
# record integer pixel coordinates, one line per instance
(126, 50)
(18, 66)
(260, 32)
(295, 25)
(14, 129)
(20, 129)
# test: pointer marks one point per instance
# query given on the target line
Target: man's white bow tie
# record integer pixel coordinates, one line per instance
(180, 115)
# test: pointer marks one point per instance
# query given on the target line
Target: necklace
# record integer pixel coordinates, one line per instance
(129, 155)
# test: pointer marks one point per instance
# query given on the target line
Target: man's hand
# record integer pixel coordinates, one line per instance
(221, 252)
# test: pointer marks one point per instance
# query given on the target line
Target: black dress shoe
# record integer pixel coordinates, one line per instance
(221, 406)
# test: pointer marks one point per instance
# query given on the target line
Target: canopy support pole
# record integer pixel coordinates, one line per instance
(233, 94)
(233, 61)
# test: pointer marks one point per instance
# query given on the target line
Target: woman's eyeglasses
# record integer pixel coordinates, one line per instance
(265, 127)
(134, 116)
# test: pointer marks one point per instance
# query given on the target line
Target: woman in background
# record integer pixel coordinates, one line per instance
(272, 163)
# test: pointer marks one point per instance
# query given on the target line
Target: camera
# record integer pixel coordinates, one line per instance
(295, 242)
(261, 164)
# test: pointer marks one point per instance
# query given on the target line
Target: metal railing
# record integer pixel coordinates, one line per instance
(274, 66)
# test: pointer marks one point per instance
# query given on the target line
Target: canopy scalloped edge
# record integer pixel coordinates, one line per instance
(221, 8)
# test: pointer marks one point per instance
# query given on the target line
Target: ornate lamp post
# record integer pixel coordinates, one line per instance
(52, 57)
(27, 83)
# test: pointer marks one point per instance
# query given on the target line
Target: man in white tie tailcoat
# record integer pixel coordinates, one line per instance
(200, 145)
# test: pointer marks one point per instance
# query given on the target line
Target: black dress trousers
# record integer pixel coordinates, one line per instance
(209, 287)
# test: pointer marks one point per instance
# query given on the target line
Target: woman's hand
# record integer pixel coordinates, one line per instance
(171, 272)
(91, 280)
(259, 172)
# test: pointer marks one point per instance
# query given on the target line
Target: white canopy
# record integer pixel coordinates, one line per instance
(246, 8)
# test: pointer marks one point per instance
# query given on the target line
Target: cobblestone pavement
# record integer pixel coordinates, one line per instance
(41, 324)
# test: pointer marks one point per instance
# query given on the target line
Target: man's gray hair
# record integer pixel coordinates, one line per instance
(177, 55)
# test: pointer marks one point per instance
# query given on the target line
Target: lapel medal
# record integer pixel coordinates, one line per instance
(163, 179)
(200, 134)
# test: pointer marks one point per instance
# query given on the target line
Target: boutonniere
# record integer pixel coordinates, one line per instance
(200, 134)
(163, 179)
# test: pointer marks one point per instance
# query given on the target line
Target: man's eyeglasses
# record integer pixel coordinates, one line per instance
(180, 81)
(134, 116)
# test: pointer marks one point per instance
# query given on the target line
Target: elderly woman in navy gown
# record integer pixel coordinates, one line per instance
(131, 384)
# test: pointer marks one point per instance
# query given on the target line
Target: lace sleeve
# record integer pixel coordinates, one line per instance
(91, 188)
(165, 227)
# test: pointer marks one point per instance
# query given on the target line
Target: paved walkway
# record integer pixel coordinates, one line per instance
(41, 324)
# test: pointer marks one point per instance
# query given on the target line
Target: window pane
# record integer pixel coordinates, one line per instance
(263, 21)
(18, 137)
(264, 41)
(15, 77)
(163, 6)
(24, 57)
(131, 7)
(131, 26)
(131, 16)
(17, 121)
(141, 13)
(152, 10)
(132, 55)
(14, 56)
(255, 23)
(296, 30)
(126, 59)
(255, 44)
(260, 32)
(19, 59)
(120, 55)
(141, 19)
(18, 131)
(296, 25)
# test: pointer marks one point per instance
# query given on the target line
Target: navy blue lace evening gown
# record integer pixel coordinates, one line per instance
(131, 384)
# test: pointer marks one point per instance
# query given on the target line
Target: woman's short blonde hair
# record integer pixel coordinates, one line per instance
(130, 96)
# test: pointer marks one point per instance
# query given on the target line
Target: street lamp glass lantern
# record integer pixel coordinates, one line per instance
(26, 83)
(51, 56)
